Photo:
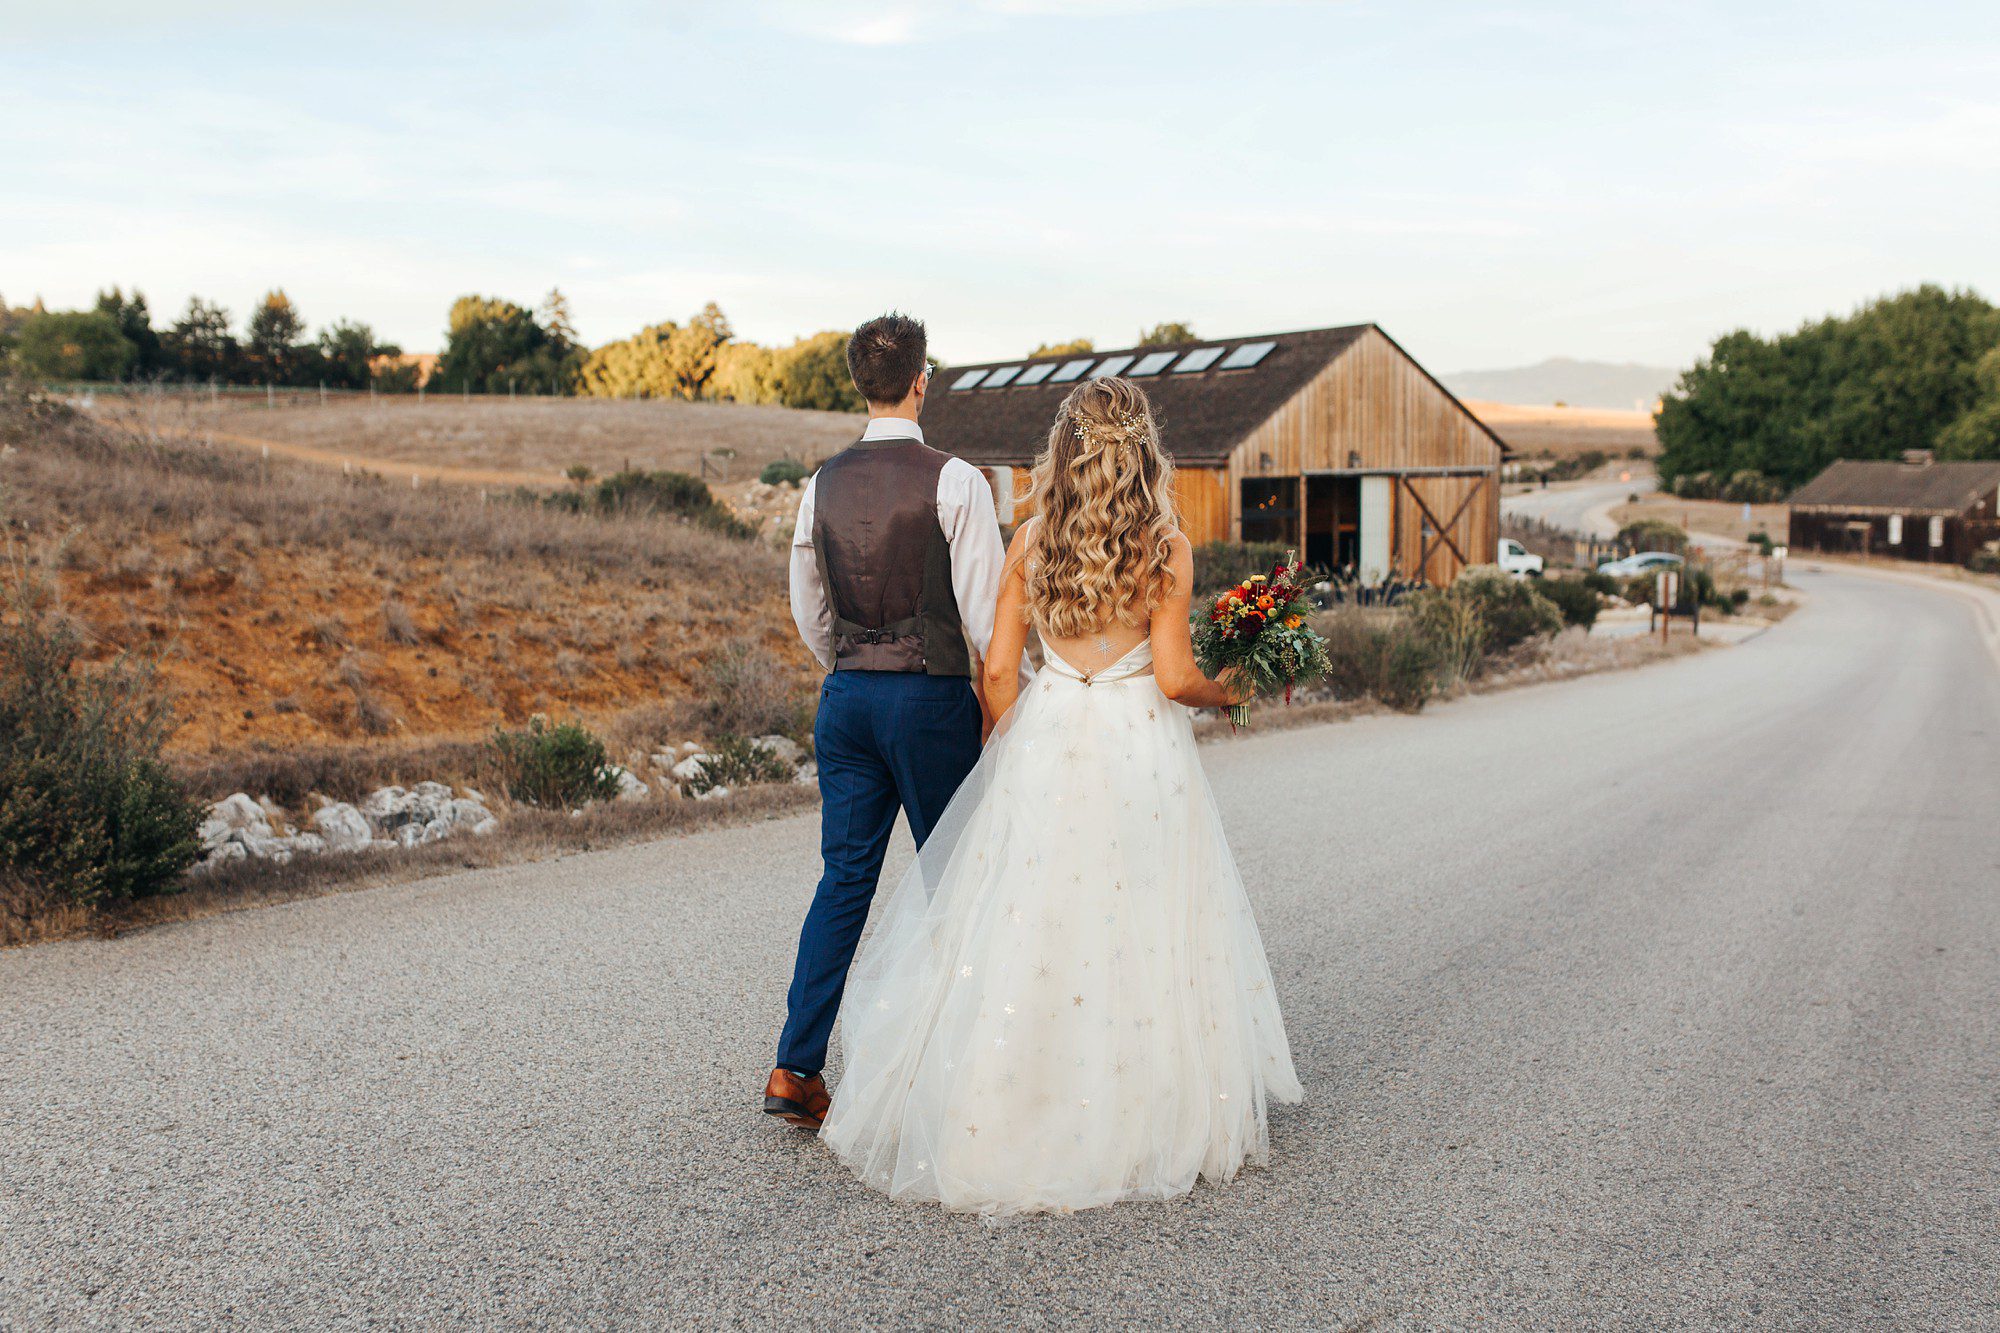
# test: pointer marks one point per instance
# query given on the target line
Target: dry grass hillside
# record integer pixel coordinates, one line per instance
(502, 441)
(1534, 430)
(296, 610)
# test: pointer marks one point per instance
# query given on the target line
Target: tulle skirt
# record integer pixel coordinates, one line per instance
(1065, 1002)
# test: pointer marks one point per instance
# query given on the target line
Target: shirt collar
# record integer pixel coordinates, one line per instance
(893, 428)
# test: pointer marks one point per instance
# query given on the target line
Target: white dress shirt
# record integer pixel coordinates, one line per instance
(965, 512)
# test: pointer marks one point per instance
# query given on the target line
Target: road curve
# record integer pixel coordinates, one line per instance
(1656, 999)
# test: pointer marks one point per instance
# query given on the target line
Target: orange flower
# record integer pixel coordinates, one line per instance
(1293, 622)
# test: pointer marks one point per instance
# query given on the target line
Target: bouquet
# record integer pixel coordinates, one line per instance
(1259, 626)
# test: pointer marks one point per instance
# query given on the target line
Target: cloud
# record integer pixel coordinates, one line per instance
(901, 22)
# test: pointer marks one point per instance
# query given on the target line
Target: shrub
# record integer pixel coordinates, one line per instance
(1455, 631)
(636, 494)
(733, 761)
(1380, 654)
(745, 692)
(1578, 601)
(1653, 534)
(1512, 609)
(559, 767)
(89, 815)
(784, 472)
(1598, 581)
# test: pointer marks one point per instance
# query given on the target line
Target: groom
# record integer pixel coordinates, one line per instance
(896, 566)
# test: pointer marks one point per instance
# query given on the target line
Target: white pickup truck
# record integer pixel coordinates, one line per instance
(1518, 559)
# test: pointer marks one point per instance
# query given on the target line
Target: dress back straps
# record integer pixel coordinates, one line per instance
(1137, 661)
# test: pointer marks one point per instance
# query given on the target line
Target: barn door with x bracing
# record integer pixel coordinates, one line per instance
(1440, 526)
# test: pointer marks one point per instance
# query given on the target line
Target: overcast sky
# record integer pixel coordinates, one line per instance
(1493, 183)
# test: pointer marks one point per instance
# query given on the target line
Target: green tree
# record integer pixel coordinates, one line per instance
(812, 372)
(666, 360)
(1161, 335)
(1074, 346)
(494, 346)
(1976, 432)
(273, 335)
(1889, 377)
(743, 374)
(73, 345)
(347, 353)
(136, 323)
(199, 345)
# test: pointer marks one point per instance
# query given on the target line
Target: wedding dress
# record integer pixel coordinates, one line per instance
(1065, 1002)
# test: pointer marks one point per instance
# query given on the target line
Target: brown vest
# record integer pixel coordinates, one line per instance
(885, 561)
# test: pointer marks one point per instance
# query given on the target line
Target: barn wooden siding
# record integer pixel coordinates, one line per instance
(1200, 502)
(1373, 410)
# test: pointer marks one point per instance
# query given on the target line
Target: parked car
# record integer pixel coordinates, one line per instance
(1518, 559)
(1645, 562)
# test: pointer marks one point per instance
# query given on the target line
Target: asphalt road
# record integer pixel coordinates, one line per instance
(1580, 506)
(1653, 1000)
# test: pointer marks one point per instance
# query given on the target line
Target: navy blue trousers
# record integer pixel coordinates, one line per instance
(884, 740)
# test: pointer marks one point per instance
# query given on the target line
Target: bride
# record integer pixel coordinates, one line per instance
(1066, 1003)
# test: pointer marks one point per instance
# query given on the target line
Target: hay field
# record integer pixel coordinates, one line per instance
(504, 441)
(1540, 431)
(292, 606)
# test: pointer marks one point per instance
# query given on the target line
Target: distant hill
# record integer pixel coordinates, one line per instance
(1562, 379)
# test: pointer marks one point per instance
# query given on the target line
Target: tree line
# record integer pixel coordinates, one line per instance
(1758, 417)
(492, 345)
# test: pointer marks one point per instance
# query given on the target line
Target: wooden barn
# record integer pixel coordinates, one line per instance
(1332, 440)
(1913, 510)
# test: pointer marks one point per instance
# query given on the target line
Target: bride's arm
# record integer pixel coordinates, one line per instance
(1002, 670)
(1173, 642)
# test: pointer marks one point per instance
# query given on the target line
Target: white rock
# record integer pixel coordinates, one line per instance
(466, 812)
(629, 786)
(784, 747)
(712, 794)
(344, 828)
(239, 812)
(690, 747)
(688, 769)
(228, 851)
(213, 833)
(311, 844)
(808, 774)
(485, 826)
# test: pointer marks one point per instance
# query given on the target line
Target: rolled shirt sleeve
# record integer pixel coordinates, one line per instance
(812, 611)
(965, 511)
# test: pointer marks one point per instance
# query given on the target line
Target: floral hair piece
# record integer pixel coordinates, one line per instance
(1126, 427)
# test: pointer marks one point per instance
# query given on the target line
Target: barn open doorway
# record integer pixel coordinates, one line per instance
(1333, 522)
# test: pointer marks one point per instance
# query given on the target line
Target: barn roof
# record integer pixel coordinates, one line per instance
(1203, 413)
(1943, 488)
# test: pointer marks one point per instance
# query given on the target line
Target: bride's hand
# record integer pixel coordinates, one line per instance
(1236, 684)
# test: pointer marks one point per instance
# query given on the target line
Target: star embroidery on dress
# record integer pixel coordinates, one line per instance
(1048, 685)
(1041, 971)
(965, 971)
(1009, 1010)
(1150, 716)
(999, 1043)
(1180, 789)
(973, 1130)
(1076, 1000)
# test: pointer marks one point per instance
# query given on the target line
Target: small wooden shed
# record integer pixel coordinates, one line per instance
(1913, 510)
(1331, 440)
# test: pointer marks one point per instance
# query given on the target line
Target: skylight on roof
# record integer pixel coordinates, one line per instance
(1004, 375)
(1151, 364)
(1201, 358)
(969, 379)
(1246, 356)
(1070, 370)
(1110, 365)
(1035, 374)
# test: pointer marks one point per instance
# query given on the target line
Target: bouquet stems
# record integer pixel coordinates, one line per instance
(1238, 715)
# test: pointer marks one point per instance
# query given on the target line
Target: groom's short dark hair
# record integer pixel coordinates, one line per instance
(885, 356)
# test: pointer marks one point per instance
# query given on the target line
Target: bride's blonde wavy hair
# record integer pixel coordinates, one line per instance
(1103, 492)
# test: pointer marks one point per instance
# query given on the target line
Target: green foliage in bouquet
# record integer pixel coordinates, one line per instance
(1260, 628)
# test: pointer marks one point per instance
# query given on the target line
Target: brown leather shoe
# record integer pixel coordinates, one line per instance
(803, 1101)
